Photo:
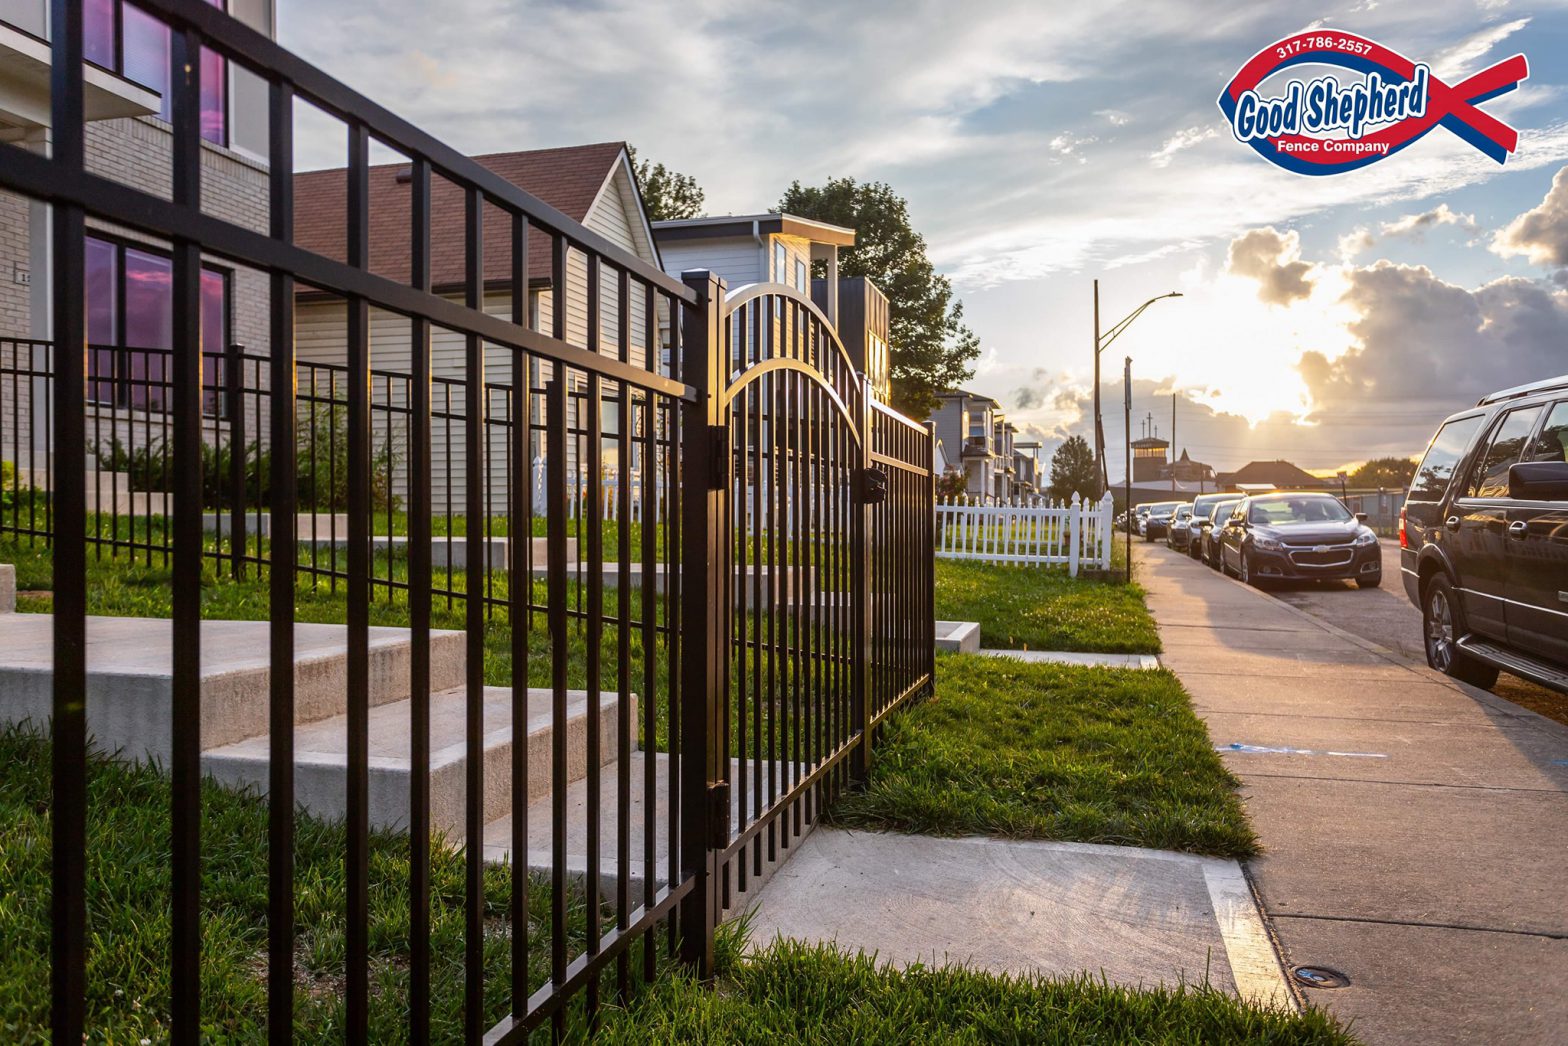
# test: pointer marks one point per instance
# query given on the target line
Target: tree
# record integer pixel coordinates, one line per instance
(1073, 470)
(1384, 472)
(666, 194)
(932, 350)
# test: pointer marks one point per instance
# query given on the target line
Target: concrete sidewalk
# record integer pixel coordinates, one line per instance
(1414, 828)
(1136, 917)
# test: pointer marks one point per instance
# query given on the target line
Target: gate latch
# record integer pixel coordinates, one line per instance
(718, 457)
(719, 813)
(873, 486)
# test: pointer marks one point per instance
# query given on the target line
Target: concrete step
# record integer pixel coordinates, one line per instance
(130, 676)
(321, 756)
(958, 637)
(498, 833)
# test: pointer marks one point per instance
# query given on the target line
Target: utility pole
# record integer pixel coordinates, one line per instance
(1099, 441)
(1173, 443)
(1127, 428)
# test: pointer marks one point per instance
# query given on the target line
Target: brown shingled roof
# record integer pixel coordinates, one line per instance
(1278, 473)
(568, 179)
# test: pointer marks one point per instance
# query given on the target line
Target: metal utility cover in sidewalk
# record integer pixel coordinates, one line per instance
(1137, 917)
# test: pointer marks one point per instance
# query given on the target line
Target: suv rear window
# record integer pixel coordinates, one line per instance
(1442, 458)
(1507, 445)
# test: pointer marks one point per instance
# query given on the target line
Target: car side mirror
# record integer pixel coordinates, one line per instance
(1361, 517)
(1538, 481)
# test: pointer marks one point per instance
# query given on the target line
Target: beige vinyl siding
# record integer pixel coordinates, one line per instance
(320, 338)
(738, 260)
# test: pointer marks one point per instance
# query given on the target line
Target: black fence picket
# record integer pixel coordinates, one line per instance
(766, 609)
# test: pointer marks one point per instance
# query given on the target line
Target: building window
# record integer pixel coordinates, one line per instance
(800, 276)
(134, 44)
(130, 326)
(780, 263)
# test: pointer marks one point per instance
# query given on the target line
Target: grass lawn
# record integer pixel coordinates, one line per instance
(798, 993)
(128, 915)
(785, 993)
(1039, 751)
(1040, 608)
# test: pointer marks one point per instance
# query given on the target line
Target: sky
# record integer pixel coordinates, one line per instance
(1042, 146)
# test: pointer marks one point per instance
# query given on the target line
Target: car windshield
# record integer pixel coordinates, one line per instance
(1223, 509)
(1184, 512)
(1286, 510)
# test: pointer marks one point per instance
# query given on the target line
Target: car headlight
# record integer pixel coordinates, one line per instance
(1366, 537)
(1266, 543)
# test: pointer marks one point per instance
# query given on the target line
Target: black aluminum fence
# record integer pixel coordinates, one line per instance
(764, 643)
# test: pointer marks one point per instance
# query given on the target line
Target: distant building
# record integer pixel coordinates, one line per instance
(1148, 459)
(974, 430)
(1026, 466)
(1189, 471)
(1269, 475)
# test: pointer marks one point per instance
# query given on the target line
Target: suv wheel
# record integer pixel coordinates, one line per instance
(1442, 626)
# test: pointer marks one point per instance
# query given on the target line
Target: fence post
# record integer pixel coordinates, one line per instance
(1104, 530)
(234, 401)
(704, 798)
(860, 715)
(1074, 529)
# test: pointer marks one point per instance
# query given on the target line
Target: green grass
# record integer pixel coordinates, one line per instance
(786, 993)
(128, 883)
(1040, 751)
(1040, 608)
(802, 993)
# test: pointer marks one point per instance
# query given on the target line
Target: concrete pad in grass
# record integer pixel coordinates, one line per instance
(1137, 917)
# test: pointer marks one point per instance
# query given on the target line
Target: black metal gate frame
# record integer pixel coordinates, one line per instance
(861, 443)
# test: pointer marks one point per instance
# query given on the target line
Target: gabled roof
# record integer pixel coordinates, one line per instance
(732, 225)
(569, 179)
(1277, 473)
(949, 394)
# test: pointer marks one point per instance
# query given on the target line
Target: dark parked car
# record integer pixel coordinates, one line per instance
(1176, 533)
(1209, 530)
(1302, 536)
(1202, 514)
(1483, 538)
(1158, 519)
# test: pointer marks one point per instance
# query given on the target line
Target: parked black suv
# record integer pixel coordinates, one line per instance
(1483, 538)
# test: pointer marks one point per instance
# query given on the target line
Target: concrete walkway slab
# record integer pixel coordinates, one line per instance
(1137, 917)
(1433, 877)
(1070, 657)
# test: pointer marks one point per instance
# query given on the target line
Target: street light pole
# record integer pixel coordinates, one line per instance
(1099, 442)
(1127, 428)
(1100, 342)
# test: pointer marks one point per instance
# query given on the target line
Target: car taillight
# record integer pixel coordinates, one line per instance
(1404, 542)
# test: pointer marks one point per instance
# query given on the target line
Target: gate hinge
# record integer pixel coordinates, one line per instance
(719, 813)
(718, 457)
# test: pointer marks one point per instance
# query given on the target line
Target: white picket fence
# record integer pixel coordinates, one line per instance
(1075, 534)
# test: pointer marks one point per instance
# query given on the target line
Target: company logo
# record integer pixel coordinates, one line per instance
(1332, 124)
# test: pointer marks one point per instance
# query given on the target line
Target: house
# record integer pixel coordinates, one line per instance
(592, 184)
(1269, 475)
(975, 424)
(1026, 465)
(1189, 471)
(785, 248)
(129, 275)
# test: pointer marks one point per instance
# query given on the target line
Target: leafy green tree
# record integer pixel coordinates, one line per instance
(1072, 470)
(666, 194)
(1384, 472)
(932, 349)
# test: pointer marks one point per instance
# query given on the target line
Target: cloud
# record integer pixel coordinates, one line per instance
(1455, 61)
(1541, 233)
(1273, 259)
(1422, 340)
(1415, 224)
(1184, 139)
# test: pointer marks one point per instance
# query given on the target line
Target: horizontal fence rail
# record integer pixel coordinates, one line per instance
(1074, 534)
(685, 539)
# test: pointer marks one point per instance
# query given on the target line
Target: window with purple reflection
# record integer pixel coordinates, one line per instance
(144, 53)
(98, 32)
(214, 336)
(149, 325)
(103, 309)
(144, 58)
